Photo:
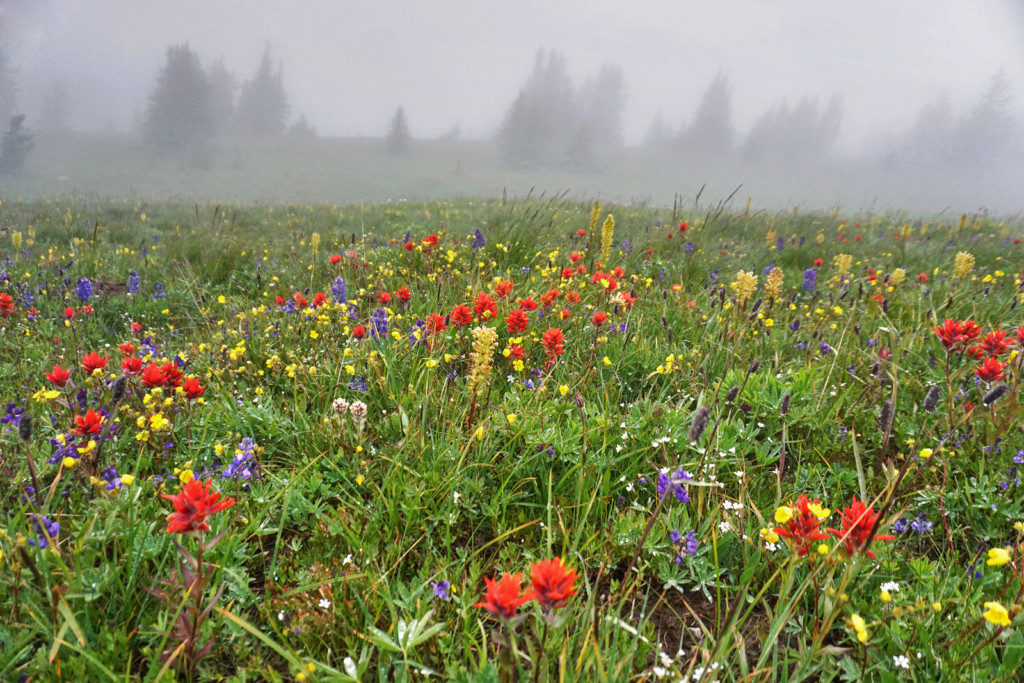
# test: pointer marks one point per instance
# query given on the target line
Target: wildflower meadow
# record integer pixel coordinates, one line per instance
(506, 440)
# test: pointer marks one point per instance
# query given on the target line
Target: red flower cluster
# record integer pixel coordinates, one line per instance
(192, 388)
(504, 597)
(551, 585)
(995, 343)
(991, 370)
(88, 424)
(153, 376)
(554, 343)
(858, 522)
(803, 524)
(517, 321)
(484, 306)
(548, 297)
(435, 323)
(957, 334)
(6, 305)
(93, 361)
(193, 505)
(461, 316)
(132, 365)
(59, 377)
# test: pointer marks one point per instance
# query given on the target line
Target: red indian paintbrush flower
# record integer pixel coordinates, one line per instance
(132, 365)
(6, 305)
(93, 361)
(193, 505)
(995, 343)
(858, 522)
(435, 323)
(90, 423)
(192, 388)
(990, 370)
(552, 583)
(801, 523)
(461, 316)
(503, 288)
(503, 598)
(517, 321)
(152, 376)
(554, 342)
(59, 377)
(173, 373)
(127, 348)
(600, 318)
(953, 333)
(484, 306)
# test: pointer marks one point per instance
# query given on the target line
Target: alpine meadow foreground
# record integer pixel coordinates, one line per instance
(525, 439)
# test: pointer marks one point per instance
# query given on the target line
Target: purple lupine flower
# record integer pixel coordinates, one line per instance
(46, 530)
(133, 282)
(84, 289)
(442, 589)
(379, 323)
(112, 478)
(810, 277)
(338, 290)
(674, 484)
(240, 467)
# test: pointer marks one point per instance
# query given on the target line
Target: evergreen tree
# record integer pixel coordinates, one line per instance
(223, 86)
(658, 135)
(8, 89)
(302, 129)
(544, 120)
(53, 114)
(800, 131)
(263, 105)
(16, 145)
(398, 133)
(712, 128)
(179, 111)
(989, 130)
(602, 100)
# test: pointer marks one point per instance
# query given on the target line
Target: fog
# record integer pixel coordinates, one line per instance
(916, 104)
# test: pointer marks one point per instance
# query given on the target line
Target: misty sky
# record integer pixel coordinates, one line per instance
(348, 64)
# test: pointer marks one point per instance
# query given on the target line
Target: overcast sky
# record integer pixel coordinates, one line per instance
(348, 64)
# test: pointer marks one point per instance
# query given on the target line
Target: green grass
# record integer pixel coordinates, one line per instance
(327, 561)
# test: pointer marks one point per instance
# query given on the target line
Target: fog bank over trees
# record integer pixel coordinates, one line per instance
(797, 103)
